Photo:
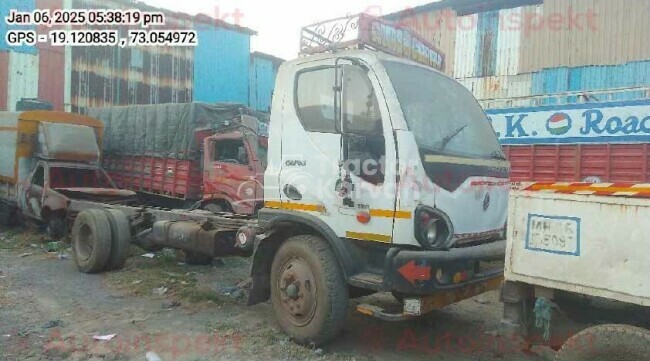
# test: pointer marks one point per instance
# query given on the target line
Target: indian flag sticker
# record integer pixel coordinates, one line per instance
(558, 124)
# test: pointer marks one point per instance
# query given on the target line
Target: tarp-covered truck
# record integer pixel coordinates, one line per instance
(572, 246)
(47, 159)
(180, 154)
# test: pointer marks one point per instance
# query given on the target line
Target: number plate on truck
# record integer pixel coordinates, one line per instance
(552, 234)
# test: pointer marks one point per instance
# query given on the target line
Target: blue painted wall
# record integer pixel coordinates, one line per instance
(263, 72)
(20, 5)
(221, 62)
(558, 80)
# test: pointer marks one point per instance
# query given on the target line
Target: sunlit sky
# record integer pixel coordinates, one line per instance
(278, 23)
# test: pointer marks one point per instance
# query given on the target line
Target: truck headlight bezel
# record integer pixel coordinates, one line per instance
(433, 229)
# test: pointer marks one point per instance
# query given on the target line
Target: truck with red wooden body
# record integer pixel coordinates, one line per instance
(208, 156)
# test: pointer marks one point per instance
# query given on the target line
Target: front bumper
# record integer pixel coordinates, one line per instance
(415, 273)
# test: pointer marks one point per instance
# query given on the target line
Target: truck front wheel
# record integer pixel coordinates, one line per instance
(607, 343)
(91, 240)
(308, 291)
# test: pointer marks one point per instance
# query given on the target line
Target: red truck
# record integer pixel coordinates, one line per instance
(193, 155)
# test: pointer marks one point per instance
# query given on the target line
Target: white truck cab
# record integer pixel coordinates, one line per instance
(384, 175)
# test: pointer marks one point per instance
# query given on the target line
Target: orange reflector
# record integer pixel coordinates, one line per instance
(363, 217)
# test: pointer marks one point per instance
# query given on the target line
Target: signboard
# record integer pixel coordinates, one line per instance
(399, 42)
(619, 122)
(367, 31)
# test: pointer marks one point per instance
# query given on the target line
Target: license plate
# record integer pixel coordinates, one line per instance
(553, 234)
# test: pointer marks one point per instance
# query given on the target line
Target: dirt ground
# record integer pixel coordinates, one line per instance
(50, 311)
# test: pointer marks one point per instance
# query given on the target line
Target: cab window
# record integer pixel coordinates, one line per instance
(230, 151)
(39, 177)
(315, 100)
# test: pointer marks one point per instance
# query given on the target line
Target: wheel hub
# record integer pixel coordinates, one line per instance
(298, 291)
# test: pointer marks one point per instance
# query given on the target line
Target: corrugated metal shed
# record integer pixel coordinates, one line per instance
(51, 77)
(559, 80)
(437, 27)
(221, 68)
(617, 35)
(4, 79)
(262, 73)
(509, 42)
(23, 78)
(51, 63)
(5, 7)
(486, 43)
(466, 36)
(500, 87)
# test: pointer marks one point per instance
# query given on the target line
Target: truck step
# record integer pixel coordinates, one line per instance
(382, 314)
(368, 280)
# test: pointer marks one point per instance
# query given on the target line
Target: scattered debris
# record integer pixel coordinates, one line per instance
(319, 352)
(152, 356)
(482, 301)
(53, 324)
(170, 305)
(136, 282)
(149, 255)
(160, 291)
(104, 337)
(63, 256)
(26, 254)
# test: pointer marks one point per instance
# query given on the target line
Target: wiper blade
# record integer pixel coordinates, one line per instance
(447, 139)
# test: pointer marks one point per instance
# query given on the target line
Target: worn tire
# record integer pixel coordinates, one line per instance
(197, 259)
(331, 289)
(607, 343)
(120, 239)
(91, 240)
(56, 228)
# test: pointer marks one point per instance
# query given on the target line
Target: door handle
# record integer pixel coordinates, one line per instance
(292, 192)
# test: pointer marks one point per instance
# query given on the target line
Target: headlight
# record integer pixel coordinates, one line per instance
(432, 232)
(432, 229)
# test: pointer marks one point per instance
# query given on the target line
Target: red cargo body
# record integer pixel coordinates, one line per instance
(165, 176)
(579, 162)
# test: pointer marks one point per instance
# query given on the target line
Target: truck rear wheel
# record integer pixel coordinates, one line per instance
(607, 343)
(91, 240)
(120, 239)
(308, 291)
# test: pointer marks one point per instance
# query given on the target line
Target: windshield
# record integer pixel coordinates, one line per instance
(64, 177)
(443, 116)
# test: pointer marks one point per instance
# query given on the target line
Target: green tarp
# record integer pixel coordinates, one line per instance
(164, 130)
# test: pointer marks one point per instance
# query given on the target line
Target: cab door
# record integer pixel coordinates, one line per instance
(334, 149)
(229, 173)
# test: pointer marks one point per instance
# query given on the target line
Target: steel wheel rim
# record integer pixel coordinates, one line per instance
(84, 244)
(297, 291)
